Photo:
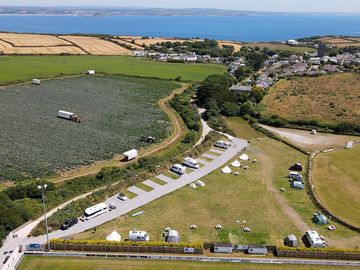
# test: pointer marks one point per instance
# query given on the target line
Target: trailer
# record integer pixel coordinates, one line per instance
(68, 116)
(131, 154)
(36, 81)
(138, 236)
(90, 72)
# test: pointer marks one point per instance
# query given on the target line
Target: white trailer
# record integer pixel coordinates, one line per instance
(191, 163)
(138, 236)
(95, 210)
(179, 169)
(36, 81)
(90, 72)
(314, 239)
(222, 144)
(131, 154)
(65, 115)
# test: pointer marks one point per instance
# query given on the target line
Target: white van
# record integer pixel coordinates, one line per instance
(191, 163)
(294, 175)
(179, 169)
(222, 144)
(138, 236)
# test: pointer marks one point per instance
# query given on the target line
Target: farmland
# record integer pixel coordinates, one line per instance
(36, 143)
(43, 263)
(15, 68)
(336, 180)
(271, 215)
(278, 46)
(341, 41)
(325, 98)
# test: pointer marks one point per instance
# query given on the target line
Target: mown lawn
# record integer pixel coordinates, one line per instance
(43, 263)
(14, 68)
(336, 178)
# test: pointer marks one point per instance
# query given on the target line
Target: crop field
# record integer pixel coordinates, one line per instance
(116, 111)
(254, 196)
(33, 40)
(16, 68)
(97, 46)
(278, 46)
(341, 41)
(325, 98)
(336, 180)
(53, 263)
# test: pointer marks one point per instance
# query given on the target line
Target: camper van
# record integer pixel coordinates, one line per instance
(222, 144)
(179, 169)
(138, 236)
(294, 175)
(314, 239)
(95, 211)
(191, 163)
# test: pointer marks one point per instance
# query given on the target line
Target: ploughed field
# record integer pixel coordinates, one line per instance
(116, 111)
(329, 99)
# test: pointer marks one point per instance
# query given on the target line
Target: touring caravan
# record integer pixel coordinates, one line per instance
(179, 169)
(138, 236)
(191, 163)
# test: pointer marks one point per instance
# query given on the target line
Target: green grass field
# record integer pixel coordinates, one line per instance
(22, 68)
(336, 178)
(251, 196)
(36, 143)
(41, 263)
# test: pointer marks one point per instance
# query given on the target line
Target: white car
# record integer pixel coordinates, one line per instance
(122, 197)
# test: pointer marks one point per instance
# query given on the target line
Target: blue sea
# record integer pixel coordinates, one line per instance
(262, 27)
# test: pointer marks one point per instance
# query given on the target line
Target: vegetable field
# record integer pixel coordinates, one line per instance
(116, 110)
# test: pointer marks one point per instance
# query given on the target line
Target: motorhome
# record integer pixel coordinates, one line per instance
(95, 210)
(222, 144)
(190, 162)
(179, 169)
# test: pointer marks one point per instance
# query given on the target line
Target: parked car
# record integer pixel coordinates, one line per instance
(122, 197)
(111, 206)
(69, 223)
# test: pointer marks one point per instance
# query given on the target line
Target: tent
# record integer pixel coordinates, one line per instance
(114, 236)
(296, 167)
(226, 170)
(244, 157)
(320, 219)
(192, 185)
(200, 183)
(291, 241)
(236, 164)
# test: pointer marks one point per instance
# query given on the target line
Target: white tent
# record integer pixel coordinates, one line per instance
(244, 157)
(226, 170)
(236, 164)
(192, 185)
(114, 236)
(200, 183)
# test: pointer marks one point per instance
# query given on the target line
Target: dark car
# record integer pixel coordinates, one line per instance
(69, 223)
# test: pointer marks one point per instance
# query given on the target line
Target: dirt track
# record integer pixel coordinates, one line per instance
(177, 133)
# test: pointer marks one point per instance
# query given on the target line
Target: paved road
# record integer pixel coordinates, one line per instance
(11, 243)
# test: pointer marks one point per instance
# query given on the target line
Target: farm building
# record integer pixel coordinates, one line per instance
(114, 236)
(291, 241)
(320, 219)
(223, 248)
(257, 250)
(296, 167)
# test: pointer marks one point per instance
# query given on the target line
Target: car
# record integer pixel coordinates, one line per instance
(111, 206)
(69, 223)
(122, 197)
(331, 227)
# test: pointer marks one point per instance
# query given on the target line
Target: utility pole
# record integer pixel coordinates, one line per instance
(43, 188)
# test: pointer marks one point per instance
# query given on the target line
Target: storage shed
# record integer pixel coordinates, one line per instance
(257, 250)
(291, 241)
(223, 248)
(320, 219)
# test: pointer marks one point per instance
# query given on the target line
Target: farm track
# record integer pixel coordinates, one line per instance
(177, 133)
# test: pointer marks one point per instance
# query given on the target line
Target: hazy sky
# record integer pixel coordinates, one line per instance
(259, 5)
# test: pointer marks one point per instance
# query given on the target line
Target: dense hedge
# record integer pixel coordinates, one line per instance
(328, 249)
(125, 243)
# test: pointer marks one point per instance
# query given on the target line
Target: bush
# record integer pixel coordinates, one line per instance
(230, 109)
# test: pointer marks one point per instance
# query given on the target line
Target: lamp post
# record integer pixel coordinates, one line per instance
(42, 188)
